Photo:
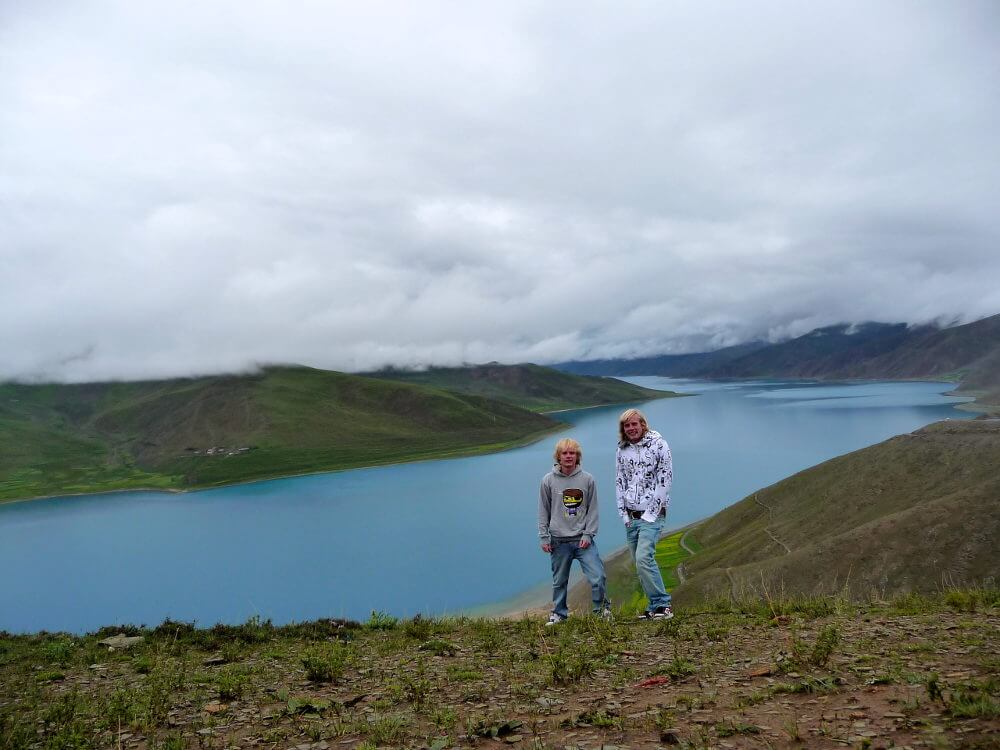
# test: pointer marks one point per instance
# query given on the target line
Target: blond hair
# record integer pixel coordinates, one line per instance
(625, 417)
(566, 444)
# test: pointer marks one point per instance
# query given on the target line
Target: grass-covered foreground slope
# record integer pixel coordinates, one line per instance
(206, 431)
(528, 386)
(915, 513)
(808, 672)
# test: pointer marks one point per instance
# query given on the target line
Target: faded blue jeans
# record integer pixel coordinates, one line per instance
(564, 552)
(642, 537)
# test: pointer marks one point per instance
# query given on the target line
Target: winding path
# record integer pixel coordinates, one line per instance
(767, 529)
(681, 578)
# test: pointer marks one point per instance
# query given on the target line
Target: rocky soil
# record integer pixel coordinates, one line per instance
(817, 673)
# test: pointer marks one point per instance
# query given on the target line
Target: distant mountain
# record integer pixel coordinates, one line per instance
(967, 354)
(528, 386)
(674, 365)
(872, 350)
(182, 433)
(916, 513)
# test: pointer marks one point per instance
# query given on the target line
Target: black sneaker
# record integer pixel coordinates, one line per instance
(661, 613)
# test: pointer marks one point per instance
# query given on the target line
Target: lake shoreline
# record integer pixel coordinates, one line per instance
(478, 512)
(537, 600)
(973, 405)
(520, 443)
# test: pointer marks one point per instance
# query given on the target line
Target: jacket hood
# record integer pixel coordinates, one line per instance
(557, 470)
(645, 441)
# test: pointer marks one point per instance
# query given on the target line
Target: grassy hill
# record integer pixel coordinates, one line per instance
(206, 431)
(528, 386)
(916, 513)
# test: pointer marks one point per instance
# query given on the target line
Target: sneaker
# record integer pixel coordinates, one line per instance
(555, 619)
(657, 613)
(605, 613)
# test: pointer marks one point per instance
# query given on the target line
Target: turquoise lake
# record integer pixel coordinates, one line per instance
(437, 537)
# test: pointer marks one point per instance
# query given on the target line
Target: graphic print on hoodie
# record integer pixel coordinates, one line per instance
(572, 498)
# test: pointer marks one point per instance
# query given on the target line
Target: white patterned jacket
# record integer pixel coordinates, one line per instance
(645, 472)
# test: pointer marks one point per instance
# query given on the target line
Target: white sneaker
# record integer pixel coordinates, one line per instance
(555, 619)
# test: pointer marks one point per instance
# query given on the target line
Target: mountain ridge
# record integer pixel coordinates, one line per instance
(968, 354)
(526, 385)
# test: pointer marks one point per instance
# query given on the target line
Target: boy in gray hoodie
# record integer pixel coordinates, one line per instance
(567, 525)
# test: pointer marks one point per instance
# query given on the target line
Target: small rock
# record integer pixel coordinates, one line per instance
(272, 711)
(670, 737)
(214, 708)
(121, 641)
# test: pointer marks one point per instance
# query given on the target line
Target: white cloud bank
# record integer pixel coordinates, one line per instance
(202, 187)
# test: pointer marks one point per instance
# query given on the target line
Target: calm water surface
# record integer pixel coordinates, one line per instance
(435, 537)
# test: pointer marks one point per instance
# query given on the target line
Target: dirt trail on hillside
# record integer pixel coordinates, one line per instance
(770, 518)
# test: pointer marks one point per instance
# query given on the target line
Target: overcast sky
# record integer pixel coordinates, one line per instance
(197, 187)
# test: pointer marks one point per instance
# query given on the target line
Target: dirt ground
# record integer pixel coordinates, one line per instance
(820, 675)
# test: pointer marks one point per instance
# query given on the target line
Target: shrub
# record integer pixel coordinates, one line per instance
(325, 664)
(231, 684)
(381, 621)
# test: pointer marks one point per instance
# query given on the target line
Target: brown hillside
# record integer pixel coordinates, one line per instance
(914, 513)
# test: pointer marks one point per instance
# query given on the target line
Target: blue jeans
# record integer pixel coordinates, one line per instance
(642, 537)
(563, 554)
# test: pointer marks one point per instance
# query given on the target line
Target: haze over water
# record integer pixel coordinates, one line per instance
(434, 537)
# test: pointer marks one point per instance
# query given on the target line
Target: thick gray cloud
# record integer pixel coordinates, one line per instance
(204, 187)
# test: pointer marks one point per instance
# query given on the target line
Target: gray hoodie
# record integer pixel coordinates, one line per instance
(567, 505)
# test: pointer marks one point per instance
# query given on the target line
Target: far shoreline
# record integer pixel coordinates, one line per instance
(973, 405)
(527, 440)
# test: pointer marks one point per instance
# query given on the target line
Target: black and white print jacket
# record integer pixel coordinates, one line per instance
(645, 473)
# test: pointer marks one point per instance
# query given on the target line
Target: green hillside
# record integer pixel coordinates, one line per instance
(528, 386)
(918, 512)
(196, 432)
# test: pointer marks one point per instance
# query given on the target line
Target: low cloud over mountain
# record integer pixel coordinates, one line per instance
(203, 188)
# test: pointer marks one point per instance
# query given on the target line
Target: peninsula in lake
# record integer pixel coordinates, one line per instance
(199, 432)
